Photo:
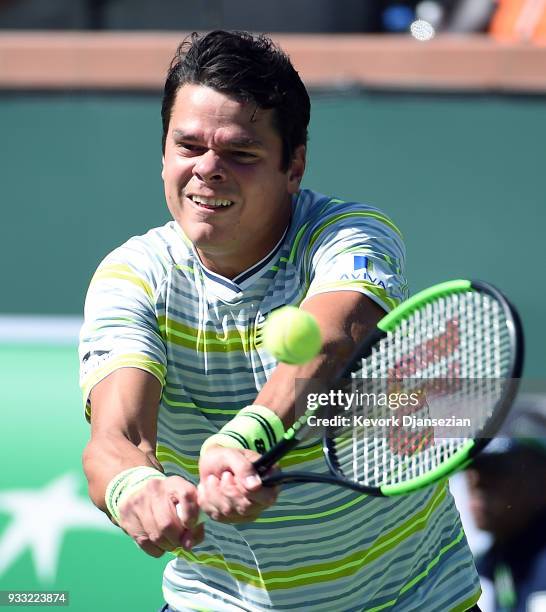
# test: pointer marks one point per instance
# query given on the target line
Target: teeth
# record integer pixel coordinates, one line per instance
(211, 201)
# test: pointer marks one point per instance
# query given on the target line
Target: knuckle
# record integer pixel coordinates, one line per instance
(155, 552)
(216, 515)
(154, 485)
(142, 540)
(156, 539)
(165, 524)
(243, 507)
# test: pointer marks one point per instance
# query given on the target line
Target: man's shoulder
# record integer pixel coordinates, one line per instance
(164, 246)
(320, 221)
(148, 257)
(314, 208)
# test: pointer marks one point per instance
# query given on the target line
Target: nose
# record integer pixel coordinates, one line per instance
(208, 168)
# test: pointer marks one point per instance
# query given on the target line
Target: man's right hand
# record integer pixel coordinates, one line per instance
(162, 516)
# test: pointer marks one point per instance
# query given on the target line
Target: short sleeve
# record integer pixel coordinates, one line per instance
(357, 248)
(121, 327)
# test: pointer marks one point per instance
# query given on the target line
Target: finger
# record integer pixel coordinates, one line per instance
(264, 496)
(239, 496)
(229, 485)
(219, 460)
(186, 506)
(131, 523)
(143, 542)
(224, 501)
(208, 496)
(194, 536)
(166, 530)
(155, 522)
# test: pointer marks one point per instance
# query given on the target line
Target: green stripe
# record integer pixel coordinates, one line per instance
(342, 568)
(297, 240)
(323, 572)
(185, 268)
(465, 605)
(197, 409)
(315, 515)
(165, 454)
(294, 458)
(186, 331)
(470, 601)
(336, 218)
(301, 455)
(205, 341)
(122, 272)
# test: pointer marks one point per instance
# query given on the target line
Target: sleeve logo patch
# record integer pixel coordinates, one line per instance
(92, 360)
(362, 269)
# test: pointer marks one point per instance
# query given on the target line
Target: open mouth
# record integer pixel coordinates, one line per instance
(210, 203)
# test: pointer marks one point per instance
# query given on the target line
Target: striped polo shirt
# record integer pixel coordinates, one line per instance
(153, 305)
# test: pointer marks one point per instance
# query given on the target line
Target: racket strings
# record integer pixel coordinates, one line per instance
(454, 354)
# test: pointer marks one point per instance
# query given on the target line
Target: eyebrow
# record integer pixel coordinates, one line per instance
(243, 142)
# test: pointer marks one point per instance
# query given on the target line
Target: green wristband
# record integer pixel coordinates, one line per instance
(225, 440)
(267, 426)
(125, 484)
(255, 428)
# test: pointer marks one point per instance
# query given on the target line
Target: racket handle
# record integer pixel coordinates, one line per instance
(270, 457)
(201, 519)
(261, 465)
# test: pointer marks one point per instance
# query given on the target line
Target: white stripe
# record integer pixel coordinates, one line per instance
(25, 329)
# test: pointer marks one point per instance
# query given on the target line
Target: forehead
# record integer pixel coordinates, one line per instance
(201, 111)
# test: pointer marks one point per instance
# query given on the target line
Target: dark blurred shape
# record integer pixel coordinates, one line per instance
(469, 16)
(44, 15)
(507, 20)
(507, 486)
(457, 16)
(277, 16)
(182, 15)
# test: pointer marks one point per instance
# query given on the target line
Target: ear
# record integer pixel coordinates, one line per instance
(296, 169)
(163, 167)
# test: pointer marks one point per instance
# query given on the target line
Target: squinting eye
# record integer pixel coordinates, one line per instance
(191, 148)
(244, 155)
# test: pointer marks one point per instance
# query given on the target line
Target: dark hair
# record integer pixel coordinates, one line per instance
(248, 68)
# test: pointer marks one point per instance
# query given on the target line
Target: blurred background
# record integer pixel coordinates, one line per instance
(433, 111)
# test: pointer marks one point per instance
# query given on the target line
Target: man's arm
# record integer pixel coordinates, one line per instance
(344, 318)
(124, 409)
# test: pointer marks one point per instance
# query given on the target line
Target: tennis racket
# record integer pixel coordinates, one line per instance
(456, 350)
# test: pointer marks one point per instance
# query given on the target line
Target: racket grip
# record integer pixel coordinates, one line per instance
(270, 457)
(201, 519)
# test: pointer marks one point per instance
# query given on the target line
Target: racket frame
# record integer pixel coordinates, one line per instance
(463, 457)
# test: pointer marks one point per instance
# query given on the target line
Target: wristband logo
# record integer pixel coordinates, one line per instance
(259, 445)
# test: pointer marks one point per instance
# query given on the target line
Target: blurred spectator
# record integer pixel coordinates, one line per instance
(507, 487)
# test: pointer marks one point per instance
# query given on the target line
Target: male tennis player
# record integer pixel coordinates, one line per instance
(179, 390)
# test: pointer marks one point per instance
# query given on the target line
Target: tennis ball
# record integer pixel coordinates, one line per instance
(292, 335)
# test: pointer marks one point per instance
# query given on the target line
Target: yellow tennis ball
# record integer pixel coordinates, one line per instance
(292, 335)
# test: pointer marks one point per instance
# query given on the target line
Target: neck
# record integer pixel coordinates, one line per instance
(231, 260)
